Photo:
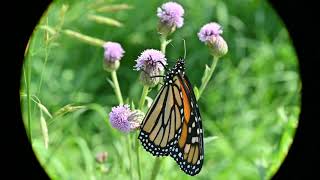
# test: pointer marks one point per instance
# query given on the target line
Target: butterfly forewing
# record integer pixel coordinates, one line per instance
(161, 125)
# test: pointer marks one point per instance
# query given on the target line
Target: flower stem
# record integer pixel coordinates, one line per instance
(138, 158)
(143, 96)
(163, 43)
(128, 143)
(156, 168)
(141, 103)
(116, 87)
(207, 76)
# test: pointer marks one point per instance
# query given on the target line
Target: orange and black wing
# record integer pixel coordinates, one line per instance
(189, 152)
(161, 126)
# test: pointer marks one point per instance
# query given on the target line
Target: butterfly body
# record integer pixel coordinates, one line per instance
(172, 125)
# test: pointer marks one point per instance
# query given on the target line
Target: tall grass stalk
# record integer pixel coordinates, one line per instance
(27, 75)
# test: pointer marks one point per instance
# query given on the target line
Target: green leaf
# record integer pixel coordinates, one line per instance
(132, 105)
(68, 108)
(206, 74)
(149, 101)
(86, 155)
(44, 131)
(44, 109)
(105, 20)
(222, 13)
(209, 139)
(110, 82)
(196, 91)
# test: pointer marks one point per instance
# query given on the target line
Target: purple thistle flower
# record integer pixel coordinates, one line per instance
(209, 32)
(151, 63)
(112, 51)
(125, 120)
(171, 13)
(119, 117)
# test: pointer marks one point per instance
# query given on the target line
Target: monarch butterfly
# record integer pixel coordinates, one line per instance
(172, 125)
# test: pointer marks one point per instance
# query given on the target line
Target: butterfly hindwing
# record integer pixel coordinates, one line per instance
(188, 152)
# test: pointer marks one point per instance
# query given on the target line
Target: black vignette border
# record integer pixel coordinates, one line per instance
(19, 23)
(299, 19)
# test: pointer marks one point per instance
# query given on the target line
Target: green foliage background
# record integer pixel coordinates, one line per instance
(251, 104)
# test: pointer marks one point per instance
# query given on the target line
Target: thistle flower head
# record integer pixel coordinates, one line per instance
(113, 52)
(150, 59)
(125, 120)
(150, 62)
(119, 117)
(171, 17)
(171, 13)
(209, 32)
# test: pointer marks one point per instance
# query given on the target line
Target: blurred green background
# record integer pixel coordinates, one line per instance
(251, 104)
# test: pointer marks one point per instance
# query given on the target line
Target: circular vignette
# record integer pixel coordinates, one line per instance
(293, 146)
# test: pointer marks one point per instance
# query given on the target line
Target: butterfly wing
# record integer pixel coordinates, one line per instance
(161, 126)
(188, 152)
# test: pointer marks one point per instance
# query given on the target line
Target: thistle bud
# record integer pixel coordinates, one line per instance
(218, 47)
(113, 53)
(210, 34)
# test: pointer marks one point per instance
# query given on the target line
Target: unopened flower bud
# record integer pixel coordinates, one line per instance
(113, 53)
(210, 34)
(218, 47)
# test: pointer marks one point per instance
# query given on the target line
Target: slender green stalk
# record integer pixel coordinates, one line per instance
(163, 43)
(138, 158)
(207, 76)
(141, 103)
(143, 96)
(43, 69)
(129, 155)
(46, 51)
(156, 168)
(116, 87)
(28, 73)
